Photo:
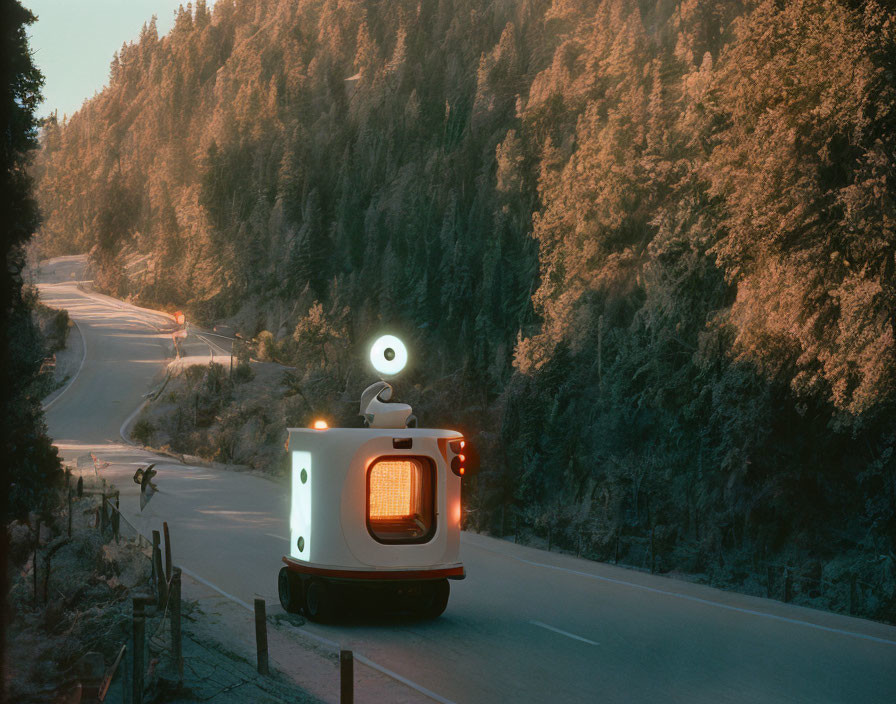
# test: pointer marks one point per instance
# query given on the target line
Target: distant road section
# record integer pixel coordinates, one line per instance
(525, 626)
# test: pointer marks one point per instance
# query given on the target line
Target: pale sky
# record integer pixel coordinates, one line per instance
(73, 42)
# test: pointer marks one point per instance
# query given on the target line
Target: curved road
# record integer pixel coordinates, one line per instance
(525, 626)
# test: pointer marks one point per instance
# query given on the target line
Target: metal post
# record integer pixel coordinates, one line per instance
(261, 636)
(167, 550)
(346, 677)
(176, 640)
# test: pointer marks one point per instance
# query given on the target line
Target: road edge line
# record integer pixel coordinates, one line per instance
(71, 381)
(404, 680)
(326, 641)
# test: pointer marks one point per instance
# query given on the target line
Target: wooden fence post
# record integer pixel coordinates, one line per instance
(116, 517)
(346, 677)
(161, 583)
(137, 649)
(788, 585)
(176, 638)
(104, 519)
(261, 636)
(80, 487)
(36, 546)
(127, 690)
(167, 550)
(46, 588)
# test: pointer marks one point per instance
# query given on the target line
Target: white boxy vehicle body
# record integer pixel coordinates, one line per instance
(374, 510)
(330, 527)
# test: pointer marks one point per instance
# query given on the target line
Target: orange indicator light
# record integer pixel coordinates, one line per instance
(462, 458)
(461, 471)
(320, 425)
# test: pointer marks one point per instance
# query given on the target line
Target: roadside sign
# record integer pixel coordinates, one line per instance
(179, 317)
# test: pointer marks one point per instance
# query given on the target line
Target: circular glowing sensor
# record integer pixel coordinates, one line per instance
(388, 355)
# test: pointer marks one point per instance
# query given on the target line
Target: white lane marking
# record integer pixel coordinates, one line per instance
(562, 633)
(697, 599)
(403, 680)
(212, 346)
(80, 367)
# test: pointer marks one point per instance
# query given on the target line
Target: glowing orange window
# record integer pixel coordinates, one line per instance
(400, 499)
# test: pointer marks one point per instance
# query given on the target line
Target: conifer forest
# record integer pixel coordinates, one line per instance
(643, 253)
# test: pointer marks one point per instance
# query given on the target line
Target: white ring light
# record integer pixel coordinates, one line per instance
(388, 355)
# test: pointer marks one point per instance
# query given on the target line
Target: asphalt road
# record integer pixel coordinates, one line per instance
(525, 626)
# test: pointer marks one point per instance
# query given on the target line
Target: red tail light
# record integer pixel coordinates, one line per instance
(457, 462)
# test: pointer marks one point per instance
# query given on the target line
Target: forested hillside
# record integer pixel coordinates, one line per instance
(644, 252)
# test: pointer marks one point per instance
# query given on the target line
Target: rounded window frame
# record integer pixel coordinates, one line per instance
(426, 463)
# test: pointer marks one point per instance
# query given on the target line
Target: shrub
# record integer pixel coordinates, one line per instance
(143, 431)
(243, 373)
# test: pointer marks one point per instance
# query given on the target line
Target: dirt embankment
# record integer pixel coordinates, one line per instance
(209, 413)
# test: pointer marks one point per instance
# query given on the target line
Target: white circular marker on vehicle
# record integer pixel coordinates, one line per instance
(388, 355)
